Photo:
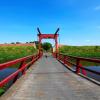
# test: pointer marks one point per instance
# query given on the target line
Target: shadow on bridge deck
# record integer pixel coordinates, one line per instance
(48, 79)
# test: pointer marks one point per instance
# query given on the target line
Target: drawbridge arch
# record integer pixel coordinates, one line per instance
(48, 36)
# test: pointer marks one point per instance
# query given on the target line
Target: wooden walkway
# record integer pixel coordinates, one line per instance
(48, 79)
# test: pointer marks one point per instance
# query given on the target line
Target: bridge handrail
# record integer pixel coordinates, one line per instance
(64, 58)
(22, 67)
(82, 58)
(10, 63)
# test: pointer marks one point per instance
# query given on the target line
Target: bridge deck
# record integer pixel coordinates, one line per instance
(50, 80)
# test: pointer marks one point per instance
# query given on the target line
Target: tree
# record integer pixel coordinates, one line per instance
(27, 42)
(46, 46)
(12, 42)
(31, 42)
(18, 42)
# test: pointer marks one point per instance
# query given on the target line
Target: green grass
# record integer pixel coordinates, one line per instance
(8, 53)
(2, 90)
(81, 51)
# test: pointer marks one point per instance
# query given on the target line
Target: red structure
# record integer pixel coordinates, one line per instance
(48, 36)
(79, 68)
(24, 62)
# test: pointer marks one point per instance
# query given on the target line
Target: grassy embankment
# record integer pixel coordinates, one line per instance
(8, 53)
(82, 51)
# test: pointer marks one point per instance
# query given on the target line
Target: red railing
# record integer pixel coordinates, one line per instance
(24, 63)
(77, 63)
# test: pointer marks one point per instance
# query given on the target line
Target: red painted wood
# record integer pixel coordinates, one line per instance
(21, 68)
(10, 63)
(78, 65)
(48, 36)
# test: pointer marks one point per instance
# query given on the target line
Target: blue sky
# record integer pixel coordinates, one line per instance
(78, 20)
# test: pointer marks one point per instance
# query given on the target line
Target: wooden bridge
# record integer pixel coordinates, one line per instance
(48, 79)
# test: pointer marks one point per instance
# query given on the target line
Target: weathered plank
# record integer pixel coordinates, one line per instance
(50, 80)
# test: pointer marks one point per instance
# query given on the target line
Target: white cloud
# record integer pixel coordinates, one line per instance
(98, 27)
(88, 40)
(97, 8)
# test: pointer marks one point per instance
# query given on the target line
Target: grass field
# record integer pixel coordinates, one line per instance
(81, 51)
(8, 53)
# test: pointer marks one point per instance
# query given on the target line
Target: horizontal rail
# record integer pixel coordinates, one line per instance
(78, 66)
(84, 59)
(95, 72)
(10, 63)
(22, 67)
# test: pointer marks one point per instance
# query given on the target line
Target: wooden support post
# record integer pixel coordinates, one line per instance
(21, 65)
(77, 66)
(83, 70)
(64, 59)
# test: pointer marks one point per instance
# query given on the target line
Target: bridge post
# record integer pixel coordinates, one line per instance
(83, 70)
(77, 66)
(56, 41)
(64, 59)
(21, 65)
(40, 38)
(56, 44)
(39, 46)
